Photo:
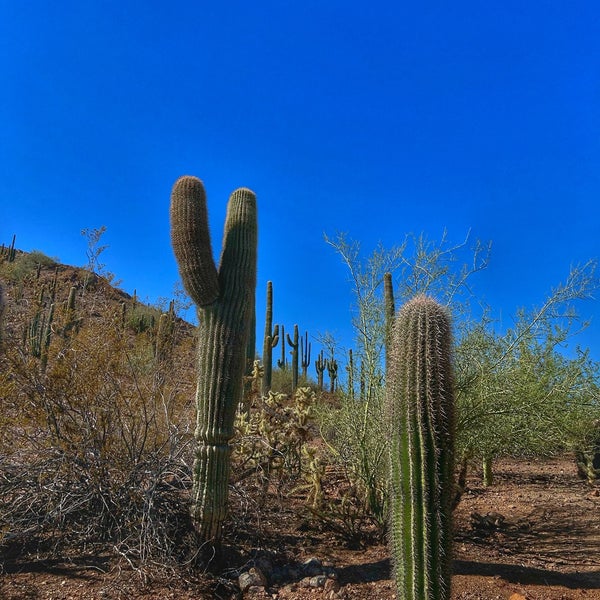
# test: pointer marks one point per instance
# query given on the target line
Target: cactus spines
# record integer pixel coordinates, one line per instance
(225, 303)
(190, 238)
(420, 408)
(294, 345)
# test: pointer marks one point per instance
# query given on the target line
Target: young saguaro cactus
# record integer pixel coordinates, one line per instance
(420, 408)
(225, 301)
(294, 345)
(270, 341)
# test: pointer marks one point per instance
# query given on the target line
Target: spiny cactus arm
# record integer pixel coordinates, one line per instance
(390, 311)
(190, 238)
(419, 401)
(224, 324)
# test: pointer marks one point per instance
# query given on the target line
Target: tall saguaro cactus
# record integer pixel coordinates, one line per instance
(225, 301)
(294, 345)
(420, 407)
(270, 341)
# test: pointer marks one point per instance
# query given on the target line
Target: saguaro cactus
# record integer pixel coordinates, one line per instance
(294, 345)
(320, 366)
(420, 407)
(305, 347)
(390, 312)
(271, 339)
(282, 362)
(225, 300)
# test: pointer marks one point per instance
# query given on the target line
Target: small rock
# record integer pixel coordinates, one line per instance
(252, 578)
(516, 596)
(318, 581)
(312, 566)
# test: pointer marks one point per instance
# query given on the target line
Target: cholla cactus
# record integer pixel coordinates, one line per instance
(420, 408)
(225, 301)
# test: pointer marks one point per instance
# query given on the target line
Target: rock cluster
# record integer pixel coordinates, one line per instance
(264, 580)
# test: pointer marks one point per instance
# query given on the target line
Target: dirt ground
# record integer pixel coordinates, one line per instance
(533, 535)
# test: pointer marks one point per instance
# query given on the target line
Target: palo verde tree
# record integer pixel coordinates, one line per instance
(518, 393)
(417, 266)
(499, 383)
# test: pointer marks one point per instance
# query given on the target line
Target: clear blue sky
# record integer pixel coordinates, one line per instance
(376, 119)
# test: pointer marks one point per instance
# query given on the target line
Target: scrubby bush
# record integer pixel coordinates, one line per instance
(25, 265)
(95, 447)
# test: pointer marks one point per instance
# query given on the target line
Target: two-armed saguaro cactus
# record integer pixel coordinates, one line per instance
(225, 301)
(419, 404)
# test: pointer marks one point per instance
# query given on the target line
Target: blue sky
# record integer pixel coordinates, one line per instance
(376, 119)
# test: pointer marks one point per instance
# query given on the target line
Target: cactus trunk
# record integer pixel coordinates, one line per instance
(225, 300)
(420, 407)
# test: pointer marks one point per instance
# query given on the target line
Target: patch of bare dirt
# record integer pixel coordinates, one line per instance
(533, 535)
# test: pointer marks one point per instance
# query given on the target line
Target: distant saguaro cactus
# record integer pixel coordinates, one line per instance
(332, 369)
(305, 348)
(282, 362)
(224, 300)
(270, 341)
(420, 409)
(294, 345)
(320, 366)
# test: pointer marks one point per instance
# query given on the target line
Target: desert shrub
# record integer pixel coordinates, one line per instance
(141, 318)
(352, 429)
(281, 381)
(95, 448)
(25, 265)
(270, 440)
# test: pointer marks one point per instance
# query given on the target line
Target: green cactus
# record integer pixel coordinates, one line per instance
(10, 252)
(282, 362)
(305, 348)
(350, 371)
(270, 341)
(332, 369)
(420, 410)
(390, 312)
(225, 300)
(320, 366)
(294, 345)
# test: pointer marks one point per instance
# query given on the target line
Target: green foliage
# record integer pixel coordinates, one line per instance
(283, 382)
(517, 393)
(352, 431)
(25, 265)
(420, 411)
(225, 300)
(272, 439)
(141, 318)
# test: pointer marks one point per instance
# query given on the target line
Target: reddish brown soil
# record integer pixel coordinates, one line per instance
(543, 544)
